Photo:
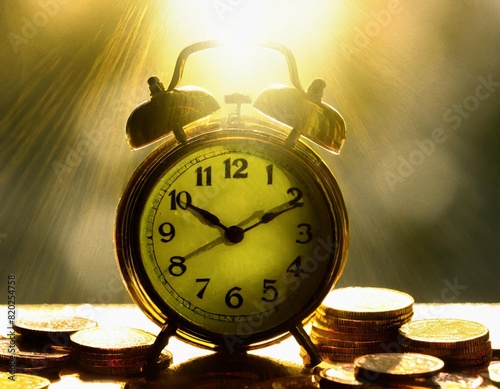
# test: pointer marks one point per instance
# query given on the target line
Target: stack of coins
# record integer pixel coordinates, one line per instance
(114, 350)
(459, 343)
(359, 320)
(32, 362)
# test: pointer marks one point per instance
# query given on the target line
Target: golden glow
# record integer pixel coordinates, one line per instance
(296, 24)
(72, 71)
(251, 21)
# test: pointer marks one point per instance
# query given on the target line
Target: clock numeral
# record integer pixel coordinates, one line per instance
(177, 267)
(181, 200)
(305, 232)
(208, 176)
(297, 196)
(269, 169)
(240, 163)
(202, 290)
(271, 290)
(295, 267)
(167, 230)
(234, 300)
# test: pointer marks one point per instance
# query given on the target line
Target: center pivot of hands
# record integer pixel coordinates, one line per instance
(234, 234)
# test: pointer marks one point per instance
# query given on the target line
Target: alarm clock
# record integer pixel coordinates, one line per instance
(233, 230)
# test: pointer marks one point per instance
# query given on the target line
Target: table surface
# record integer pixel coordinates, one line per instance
(282, 357)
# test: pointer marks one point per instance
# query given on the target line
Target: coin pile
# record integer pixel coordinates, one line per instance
(356, 321)
(114, 350)
(41, 343)
(459, 343)
(31, 362)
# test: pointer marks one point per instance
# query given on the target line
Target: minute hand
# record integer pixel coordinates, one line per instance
(267, 217)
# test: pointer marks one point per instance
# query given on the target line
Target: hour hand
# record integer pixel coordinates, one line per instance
(233, 234)
(207, 216)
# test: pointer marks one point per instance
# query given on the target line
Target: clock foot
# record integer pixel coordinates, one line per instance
(160, 343)
(303, 339)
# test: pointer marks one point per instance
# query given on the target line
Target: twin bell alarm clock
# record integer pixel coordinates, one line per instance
(232, 231)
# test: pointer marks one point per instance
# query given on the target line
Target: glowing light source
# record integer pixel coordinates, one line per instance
(297, 24)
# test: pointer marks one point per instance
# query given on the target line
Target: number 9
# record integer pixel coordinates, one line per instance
(167, 230)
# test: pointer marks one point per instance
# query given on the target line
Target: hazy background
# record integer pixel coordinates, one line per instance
(418, 83)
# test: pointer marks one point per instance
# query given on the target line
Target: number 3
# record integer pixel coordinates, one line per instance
(308, 234)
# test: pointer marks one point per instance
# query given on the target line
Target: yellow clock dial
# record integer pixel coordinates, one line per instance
(237, 237)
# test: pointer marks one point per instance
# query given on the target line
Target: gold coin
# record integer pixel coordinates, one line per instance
(443, 333)
(364, 303)
(31, 359)
(341, 374)
(43, 325)
(457, 380)
(106, 339)
(396, 321)
(396, 365)
(454, 351)
(494, 371)
(123, 366)
(22, 381)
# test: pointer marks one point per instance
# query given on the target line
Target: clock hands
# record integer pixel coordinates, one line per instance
(271, 215)
(235, 234)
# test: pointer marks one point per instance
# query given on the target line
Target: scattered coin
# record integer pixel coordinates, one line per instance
(387, 366)
(341, 374)
(22, 381)
(494, 371)
(54, 328)
(458, 380)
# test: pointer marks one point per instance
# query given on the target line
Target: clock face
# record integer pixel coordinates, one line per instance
(237, 237)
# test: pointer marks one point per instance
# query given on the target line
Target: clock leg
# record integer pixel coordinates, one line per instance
(303, 339)
(160, 343)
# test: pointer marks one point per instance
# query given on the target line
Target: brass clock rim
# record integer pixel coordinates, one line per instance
(138, 284)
